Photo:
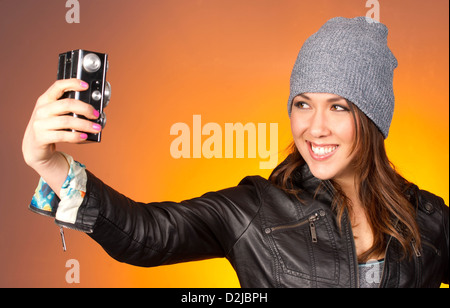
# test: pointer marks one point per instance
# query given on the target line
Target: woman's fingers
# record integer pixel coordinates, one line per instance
(55, 122)
(63, 129)
(67, 122)
(58, 136)
(65, 106)
(58, 88)
(50, 104)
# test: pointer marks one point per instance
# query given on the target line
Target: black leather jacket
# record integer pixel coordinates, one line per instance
(270, 238)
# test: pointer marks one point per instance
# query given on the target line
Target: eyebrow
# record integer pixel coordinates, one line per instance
(330, 100)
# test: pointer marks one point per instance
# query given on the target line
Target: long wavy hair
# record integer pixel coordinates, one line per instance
(381, 189)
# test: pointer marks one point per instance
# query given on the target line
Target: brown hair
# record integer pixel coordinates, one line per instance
(381, 189)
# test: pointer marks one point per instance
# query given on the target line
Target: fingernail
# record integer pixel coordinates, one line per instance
(83, 136)
(96, 113)
(84, 84)
(96, 126)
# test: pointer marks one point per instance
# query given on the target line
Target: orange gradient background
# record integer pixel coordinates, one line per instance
(228, 61)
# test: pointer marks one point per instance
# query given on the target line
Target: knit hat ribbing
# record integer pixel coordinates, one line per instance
(349, 58)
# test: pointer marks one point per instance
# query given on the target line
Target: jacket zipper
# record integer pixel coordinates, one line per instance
(416, 250)
(384, 265)
(418, 263)
(312, 226)
(63, 239)
(310, 220)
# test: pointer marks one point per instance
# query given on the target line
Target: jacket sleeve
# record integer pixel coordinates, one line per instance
(163, 233)
(445, 218)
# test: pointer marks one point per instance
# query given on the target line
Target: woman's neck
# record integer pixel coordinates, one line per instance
(349, 187)
(361, 228)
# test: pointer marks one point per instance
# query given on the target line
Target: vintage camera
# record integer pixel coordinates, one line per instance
(91, 67)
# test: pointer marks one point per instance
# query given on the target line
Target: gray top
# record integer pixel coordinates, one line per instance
(370, 273)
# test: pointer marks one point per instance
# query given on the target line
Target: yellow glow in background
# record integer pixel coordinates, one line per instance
(228, 61)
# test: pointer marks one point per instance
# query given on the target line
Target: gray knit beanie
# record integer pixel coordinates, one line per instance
(349, 58)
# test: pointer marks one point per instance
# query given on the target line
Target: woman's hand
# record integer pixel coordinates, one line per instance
(51, 123)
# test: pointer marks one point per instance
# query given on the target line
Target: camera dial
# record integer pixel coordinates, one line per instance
(91, 62)
(96, 95)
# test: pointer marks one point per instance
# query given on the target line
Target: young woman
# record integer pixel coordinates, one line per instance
(334, 214)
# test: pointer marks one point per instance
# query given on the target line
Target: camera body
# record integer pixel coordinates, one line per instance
(91, 67)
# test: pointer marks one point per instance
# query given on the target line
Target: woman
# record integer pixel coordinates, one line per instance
(333, 214)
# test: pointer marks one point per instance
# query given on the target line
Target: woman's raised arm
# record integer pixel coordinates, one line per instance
(51, 123)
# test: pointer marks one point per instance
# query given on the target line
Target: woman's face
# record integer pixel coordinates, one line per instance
(323, 129)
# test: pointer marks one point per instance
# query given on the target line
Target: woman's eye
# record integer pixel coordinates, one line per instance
(301, 105)
(339, 108)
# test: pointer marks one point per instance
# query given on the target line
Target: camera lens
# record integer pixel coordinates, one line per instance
(91, 62)
(103, 119)
(107, 94)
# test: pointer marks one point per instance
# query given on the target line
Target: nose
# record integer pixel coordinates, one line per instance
(318, 126)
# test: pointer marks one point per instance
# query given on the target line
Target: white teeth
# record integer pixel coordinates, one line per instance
(323, 150)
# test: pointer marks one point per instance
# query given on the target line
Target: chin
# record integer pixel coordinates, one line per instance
(322, 173)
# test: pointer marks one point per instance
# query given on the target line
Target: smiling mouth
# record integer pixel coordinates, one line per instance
(322, 152)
